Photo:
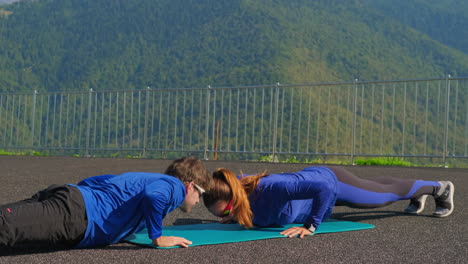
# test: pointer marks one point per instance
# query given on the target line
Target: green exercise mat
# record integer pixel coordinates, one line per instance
(208, 234)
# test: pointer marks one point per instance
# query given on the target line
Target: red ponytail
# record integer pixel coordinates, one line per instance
(227, 187)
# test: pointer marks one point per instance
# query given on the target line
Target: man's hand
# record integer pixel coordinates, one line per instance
(170, 241)
(296, 230)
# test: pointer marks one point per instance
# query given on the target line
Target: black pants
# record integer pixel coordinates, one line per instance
(52, 218)
(373, 193)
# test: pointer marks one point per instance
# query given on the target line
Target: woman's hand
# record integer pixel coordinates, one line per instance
(296, 230)
(170, 241)
(229, 219)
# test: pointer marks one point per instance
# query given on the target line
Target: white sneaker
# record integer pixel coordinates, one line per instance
(416, 205)
(444, 203)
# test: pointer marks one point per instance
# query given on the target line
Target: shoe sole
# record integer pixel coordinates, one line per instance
(452, 188)
(423, 204)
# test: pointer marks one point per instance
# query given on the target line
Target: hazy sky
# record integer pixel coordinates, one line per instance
(7, 1)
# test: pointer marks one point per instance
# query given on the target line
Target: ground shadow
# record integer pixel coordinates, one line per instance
(369, 215)
(193, 221)
(17, 251)
(23, 250)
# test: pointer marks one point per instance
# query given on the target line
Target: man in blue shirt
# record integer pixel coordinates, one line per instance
(102, 210)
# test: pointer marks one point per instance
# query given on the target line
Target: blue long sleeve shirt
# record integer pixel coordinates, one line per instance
(308, 196)
(119, 205)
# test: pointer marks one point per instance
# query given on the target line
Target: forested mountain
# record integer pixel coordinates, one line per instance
(120, 44)
(444, 21)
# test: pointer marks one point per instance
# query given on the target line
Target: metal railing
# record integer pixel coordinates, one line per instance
(410, 118)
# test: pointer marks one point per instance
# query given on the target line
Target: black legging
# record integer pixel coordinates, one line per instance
(364, 193)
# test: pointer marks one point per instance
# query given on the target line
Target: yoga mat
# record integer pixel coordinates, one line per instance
(208, 234)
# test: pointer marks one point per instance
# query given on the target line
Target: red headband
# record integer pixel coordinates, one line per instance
(228, 208)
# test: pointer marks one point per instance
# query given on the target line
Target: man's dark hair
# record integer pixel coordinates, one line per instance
(189, 169)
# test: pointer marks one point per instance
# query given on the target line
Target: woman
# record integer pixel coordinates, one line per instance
(308, 196)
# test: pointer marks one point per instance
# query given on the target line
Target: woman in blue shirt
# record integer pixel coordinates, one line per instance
(102, 210)
(308, 196)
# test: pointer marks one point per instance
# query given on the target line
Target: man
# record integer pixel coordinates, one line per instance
(102, 210)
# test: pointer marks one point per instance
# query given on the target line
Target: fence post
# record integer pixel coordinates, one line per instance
(88, 129)
(275, 127)
(145, 127)
(447, 109)
(353, 137)
(33, 115)
(207, 122)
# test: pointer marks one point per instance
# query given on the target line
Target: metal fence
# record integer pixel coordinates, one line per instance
(410, 118)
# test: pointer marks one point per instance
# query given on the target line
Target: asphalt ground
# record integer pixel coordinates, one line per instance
(397, 238)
